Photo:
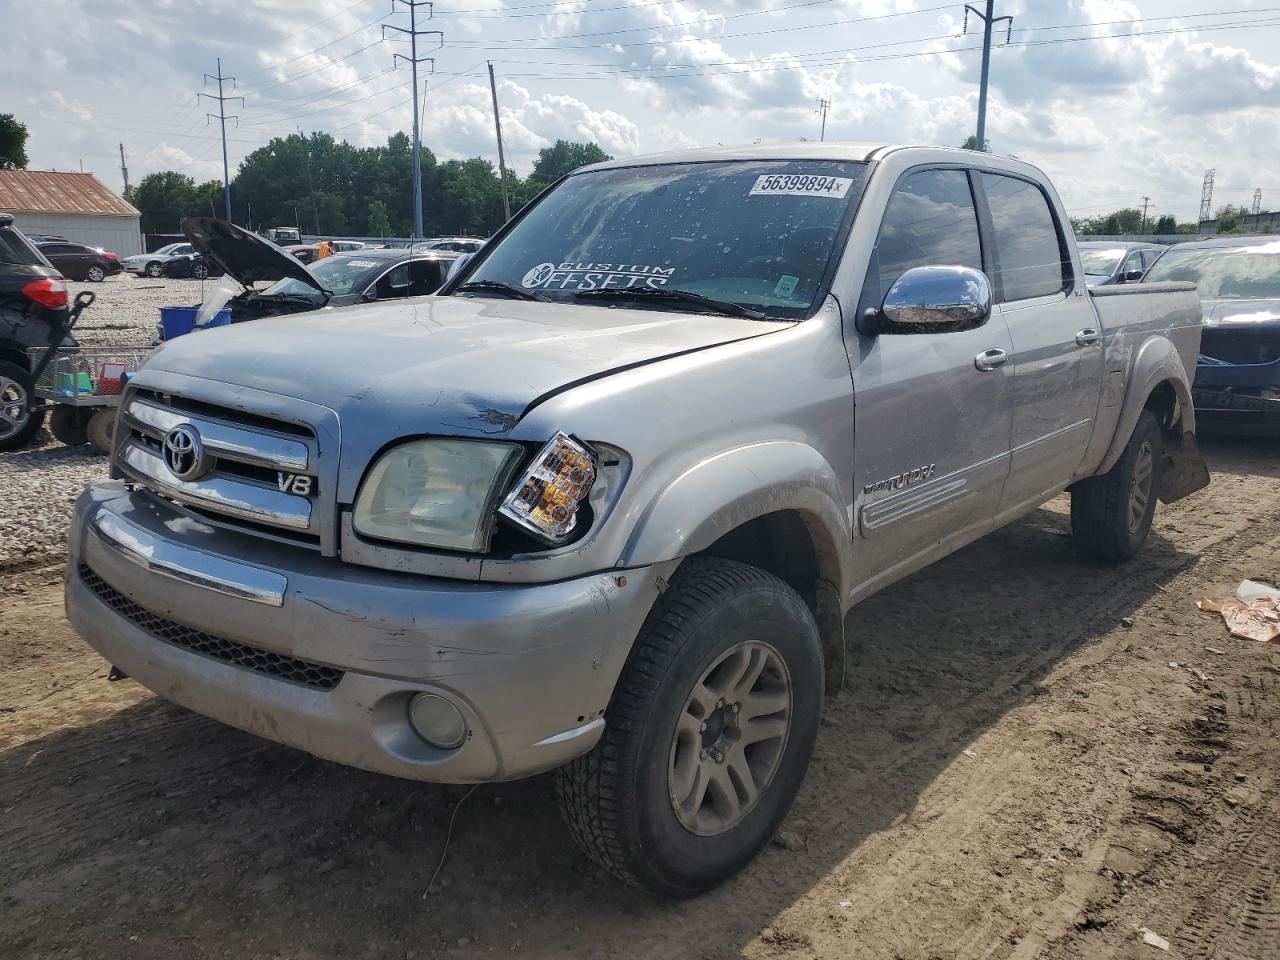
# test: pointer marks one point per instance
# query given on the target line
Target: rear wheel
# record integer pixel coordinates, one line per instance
(199, 271)
(18, 423)
(69, 425)
(708, 736)
(1111, 514)
(95, 273)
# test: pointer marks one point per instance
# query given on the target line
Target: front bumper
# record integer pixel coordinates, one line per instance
(1244, 393)
(530, 667)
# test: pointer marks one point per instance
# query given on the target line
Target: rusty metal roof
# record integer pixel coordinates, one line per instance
(48, 191)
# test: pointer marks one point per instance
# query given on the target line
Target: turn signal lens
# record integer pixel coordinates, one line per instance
(545, 501)
(47, 293)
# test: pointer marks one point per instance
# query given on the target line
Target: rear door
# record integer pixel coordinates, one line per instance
(63, 256)
(1056, 363)
(931, 441)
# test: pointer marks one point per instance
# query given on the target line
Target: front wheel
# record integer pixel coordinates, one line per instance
(708, 735)
(1111, 514)
(153, 270)
(200, 272)
(69, 425)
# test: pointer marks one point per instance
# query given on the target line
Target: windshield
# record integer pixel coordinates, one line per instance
(1224, 273)
(338, 274)
(1101, 263)
(755, 233)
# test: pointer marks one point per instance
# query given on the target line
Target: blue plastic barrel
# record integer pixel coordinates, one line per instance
(176, 321)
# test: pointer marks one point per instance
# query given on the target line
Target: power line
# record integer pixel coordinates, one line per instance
(324, 46)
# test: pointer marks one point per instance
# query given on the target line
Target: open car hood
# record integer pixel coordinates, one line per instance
(245, 256)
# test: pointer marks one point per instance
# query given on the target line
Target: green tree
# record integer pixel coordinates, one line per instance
(163, 199)
(564, 157)
(13, 141)
(971, 143)
(1166, 225)
(379, 224)
(1229, 218)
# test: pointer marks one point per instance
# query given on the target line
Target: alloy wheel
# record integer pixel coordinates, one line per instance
(13, 407)
(730, 738)
(96, 274)
(1143, 481)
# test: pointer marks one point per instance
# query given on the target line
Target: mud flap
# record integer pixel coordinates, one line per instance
(1183, 470)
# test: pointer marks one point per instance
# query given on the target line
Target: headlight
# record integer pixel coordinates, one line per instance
(545, 501)
(436, 493)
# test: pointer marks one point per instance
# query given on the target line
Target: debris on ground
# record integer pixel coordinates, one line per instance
(788, 840)
(1256, 619)
(1154, 939)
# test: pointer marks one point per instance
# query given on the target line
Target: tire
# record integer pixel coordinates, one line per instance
(199, 272)
(69, 425)
(95, 274)
(102, 430)
(1111, 514)
(620, 800)
(18, 424)
(153, 270)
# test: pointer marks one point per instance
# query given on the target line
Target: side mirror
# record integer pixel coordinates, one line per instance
(935, 300)
(1131, 276)
(455, 268)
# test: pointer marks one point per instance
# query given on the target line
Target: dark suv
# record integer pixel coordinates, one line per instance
(78, 262)
(33, 309)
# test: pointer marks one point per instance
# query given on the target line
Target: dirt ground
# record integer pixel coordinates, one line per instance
(1036, 758)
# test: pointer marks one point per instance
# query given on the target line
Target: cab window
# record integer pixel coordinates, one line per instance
(1030, 255)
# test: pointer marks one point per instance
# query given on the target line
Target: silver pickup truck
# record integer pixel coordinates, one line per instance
(604, 504)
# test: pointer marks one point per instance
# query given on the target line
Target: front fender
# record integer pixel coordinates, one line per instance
(1157, 362)
(731, 488)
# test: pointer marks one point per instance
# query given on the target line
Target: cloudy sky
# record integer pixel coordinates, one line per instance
(1191, 84)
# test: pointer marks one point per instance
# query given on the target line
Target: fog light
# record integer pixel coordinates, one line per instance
(437, 721)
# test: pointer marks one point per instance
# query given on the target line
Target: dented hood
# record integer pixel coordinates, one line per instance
(456, 366)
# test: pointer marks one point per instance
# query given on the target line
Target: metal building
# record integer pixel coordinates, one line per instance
(72, 205)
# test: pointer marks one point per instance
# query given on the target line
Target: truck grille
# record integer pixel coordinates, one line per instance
(282, 667)
(242, 469)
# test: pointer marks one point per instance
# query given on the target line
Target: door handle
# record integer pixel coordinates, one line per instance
(990, 359)
(1087, 336)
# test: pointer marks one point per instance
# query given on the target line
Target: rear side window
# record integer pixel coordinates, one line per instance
(57, 248)
(1029, 255)
(931, 221)
(14, 248)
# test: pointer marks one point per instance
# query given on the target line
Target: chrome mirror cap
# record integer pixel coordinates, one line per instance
(935, 299)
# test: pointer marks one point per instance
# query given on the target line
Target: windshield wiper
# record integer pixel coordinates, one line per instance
(675, 296)
(495, 287)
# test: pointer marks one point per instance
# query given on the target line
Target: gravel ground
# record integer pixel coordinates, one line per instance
(39, 484)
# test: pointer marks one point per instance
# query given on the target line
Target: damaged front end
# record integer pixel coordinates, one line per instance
(1237, 381)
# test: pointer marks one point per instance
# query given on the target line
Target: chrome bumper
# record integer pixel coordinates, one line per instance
(531, 667)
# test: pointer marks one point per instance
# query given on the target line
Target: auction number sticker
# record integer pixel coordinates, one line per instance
(800, 185)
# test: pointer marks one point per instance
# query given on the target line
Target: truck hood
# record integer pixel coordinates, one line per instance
(245, 256)
(456, 366)
(1241, 314)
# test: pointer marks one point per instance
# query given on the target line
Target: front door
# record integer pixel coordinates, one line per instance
(931, 442)
(1056, 362)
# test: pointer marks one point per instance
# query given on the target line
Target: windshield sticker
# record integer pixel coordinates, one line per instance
(786, 286)
(596, 276)
(800, 185)
(362, 263)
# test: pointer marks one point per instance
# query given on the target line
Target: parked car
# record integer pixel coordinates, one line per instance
(33, 309)
(603, 504)
(284, 235)
(1106, 262)
(340, 280)
(1237, 383)
(78, 262)
(303, 252)
(46, 238)
(452, 244)
(346, 246)
(152, 264)
(189, 266)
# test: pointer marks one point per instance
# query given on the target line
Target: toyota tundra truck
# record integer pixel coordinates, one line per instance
(605, 504)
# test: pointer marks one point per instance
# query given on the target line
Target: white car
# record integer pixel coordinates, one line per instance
(148, 264)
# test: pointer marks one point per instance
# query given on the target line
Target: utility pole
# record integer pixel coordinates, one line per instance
(413, 59)
(1257, 202)
(989, 20)
(1206, 195)
(222, 119)
(502, 161)
(124, 172)
(1146, 202)
(311, 187)
(823, 106)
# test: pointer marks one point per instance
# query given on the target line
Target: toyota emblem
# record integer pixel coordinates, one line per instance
(184, 453)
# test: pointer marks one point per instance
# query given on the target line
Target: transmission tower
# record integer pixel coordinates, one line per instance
(1257, 201)
(989, 20)
(222, 118)
(1206, 196)
(824, 106)
(413, 33)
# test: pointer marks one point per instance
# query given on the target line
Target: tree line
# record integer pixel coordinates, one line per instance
(329, 187)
